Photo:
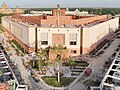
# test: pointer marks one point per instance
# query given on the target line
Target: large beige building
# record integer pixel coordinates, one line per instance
(80, 34)
(5, 10)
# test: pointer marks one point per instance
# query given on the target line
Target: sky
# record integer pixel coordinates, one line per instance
(63, 3)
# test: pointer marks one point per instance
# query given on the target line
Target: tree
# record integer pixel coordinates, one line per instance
(58, 52)
(40, 57)
(58, 49)
(27, 11)
(1, 15)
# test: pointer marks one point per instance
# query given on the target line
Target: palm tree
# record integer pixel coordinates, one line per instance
(40, 57)
(58, 51)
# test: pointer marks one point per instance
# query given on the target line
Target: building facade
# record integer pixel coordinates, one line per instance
(79, 34)
(5, 10)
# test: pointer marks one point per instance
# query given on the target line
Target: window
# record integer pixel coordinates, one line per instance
(44, 38)
(44, 42)
(73, 38)
(73, 51)
(72, 42)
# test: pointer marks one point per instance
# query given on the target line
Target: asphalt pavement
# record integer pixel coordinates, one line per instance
(18, 61)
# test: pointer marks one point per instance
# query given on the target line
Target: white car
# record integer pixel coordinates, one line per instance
(21, 87)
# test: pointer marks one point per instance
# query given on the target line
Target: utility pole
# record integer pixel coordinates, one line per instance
(36, 40)
(81, 40)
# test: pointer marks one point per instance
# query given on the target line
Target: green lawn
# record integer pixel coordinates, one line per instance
(19, 46)
(52, 81)
(78, 63)
(81, 63)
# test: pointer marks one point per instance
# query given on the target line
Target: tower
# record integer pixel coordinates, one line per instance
(58, 6)
(4, 6)
(67, 9)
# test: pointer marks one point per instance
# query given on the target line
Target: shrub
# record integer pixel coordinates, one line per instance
(18, 46)
(77, 63)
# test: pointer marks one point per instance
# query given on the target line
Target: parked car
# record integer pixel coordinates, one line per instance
(88, 71)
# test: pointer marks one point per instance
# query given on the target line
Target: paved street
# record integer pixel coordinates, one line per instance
(17, 59)
(97, 64)
(33, 85)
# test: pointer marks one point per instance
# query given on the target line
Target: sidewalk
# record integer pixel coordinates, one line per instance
(97, 65)
(18, 61)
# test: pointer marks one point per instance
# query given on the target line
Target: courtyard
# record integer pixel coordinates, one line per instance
(72, 68)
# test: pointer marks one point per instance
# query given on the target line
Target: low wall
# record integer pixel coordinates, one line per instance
(46, 86)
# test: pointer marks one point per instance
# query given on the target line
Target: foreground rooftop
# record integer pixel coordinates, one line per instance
(112, 77)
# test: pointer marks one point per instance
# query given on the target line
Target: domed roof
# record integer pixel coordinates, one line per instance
(4, 5)
(77, 10)
(17, 7)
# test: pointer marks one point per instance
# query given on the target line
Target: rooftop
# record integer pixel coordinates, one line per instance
(112, 77)
(59, 19)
